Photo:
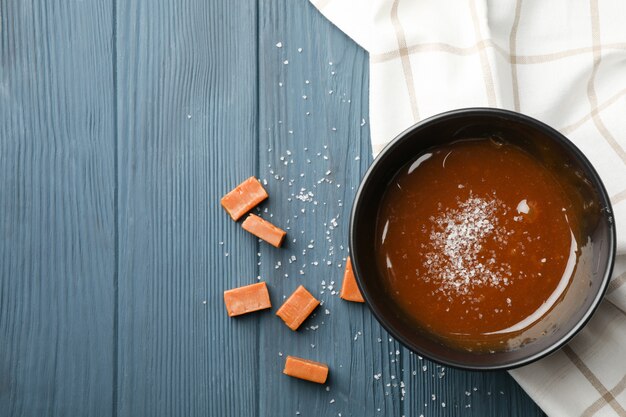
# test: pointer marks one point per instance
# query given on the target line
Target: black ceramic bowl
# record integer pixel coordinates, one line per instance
(553, 150)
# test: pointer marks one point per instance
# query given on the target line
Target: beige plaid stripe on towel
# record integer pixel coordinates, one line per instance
(561, 61)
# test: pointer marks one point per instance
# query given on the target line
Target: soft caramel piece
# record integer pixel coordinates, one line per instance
(349, 288)
(306, 369)
(297, 308)
(247, 299)
(243, 198)
(264, 230)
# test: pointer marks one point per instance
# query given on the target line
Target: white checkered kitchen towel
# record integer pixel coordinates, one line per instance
(563, 62)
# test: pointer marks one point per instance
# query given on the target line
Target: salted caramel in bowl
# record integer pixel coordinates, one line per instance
(482, 239)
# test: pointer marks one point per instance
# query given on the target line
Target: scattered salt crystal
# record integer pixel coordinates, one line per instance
(286, 62)
(279, 45)
(522, 207)
(456, 238)
(299, 49)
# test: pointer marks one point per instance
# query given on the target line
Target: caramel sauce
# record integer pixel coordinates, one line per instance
(476, 241)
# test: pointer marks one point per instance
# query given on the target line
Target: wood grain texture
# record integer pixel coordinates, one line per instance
(187, 133)
(57, 209)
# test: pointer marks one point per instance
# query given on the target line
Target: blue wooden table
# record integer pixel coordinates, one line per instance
(122, 123)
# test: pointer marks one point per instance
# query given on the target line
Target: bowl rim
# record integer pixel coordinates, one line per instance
(506, 114)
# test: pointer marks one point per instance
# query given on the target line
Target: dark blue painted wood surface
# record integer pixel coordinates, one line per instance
(57, 219)
(121, 126)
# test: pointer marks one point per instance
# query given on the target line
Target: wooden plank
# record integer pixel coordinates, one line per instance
(313, 103)
(463, 393)
(187, 134)
(57, 181)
